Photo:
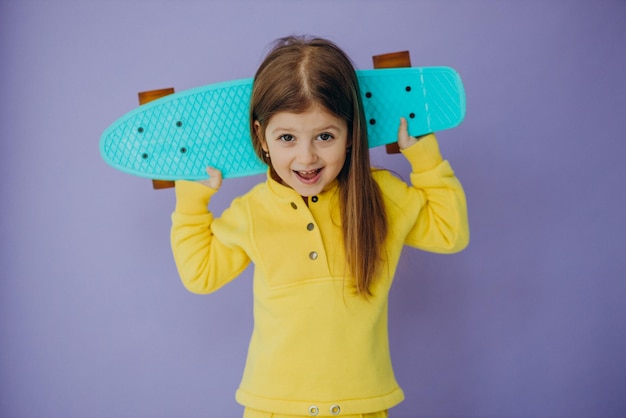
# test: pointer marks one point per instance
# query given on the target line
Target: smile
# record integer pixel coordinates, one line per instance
(310, 176)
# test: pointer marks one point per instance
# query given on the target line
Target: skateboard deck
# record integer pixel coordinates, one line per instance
(178, 136)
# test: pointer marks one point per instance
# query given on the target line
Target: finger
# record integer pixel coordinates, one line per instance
(215, 177)
(403, 132)
(403, 129)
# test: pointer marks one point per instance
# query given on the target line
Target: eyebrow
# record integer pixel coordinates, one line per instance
(326, 128)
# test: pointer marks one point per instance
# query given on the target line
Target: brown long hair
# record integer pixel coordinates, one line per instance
(297, 73)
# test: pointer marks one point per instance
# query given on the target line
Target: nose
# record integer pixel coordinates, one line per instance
(306, 153)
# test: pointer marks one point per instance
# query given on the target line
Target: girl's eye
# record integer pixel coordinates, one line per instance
(286, 138)
(325, 137)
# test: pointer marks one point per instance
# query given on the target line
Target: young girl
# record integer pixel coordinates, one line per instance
(324, 232)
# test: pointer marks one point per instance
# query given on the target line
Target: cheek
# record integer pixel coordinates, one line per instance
(342, 162)
(278, 158)
(340, 157)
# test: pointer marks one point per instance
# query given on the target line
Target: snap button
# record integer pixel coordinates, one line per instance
(313, 255)
(314, 199)
(335, 409)
(313, 410)
(310, 226)
(293, 205)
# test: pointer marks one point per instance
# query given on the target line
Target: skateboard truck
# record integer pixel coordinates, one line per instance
(147, 97)
(392, 60)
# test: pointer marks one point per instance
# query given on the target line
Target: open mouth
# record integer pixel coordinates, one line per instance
(310, 176)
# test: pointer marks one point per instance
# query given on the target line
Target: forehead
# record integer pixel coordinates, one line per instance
(315, 117)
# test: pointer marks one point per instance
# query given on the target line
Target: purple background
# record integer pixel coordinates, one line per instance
(529, 321)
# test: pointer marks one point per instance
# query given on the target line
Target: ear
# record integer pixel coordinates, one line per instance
(258, 131)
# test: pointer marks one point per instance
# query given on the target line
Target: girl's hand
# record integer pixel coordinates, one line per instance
(215, 178)
(404, 140)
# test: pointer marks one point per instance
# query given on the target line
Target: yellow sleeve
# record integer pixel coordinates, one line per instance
(204, 263)
(442, 224)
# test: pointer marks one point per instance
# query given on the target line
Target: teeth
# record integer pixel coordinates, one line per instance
(309, 174)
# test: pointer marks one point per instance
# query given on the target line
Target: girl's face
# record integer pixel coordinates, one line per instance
(307, 150)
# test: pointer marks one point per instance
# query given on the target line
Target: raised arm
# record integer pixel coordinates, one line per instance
(204, 263)
(441, 224)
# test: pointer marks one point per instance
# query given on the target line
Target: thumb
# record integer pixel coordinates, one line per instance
(404, 139)
(215, 178)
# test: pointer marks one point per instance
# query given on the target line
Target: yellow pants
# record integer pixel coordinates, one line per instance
(253, 413)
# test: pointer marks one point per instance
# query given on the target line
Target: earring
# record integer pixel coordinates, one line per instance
(267, 155)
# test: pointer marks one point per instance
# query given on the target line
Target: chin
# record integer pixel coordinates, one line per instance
(305, 191)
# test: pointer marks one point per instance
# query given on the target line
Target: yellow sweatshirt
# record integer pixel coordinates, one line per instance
(317, 348)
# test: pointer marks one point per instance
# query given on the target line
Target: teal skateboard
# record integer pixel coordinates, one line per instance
(178, 136)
